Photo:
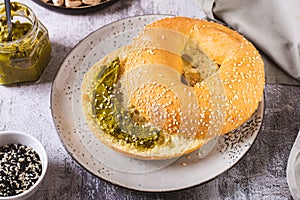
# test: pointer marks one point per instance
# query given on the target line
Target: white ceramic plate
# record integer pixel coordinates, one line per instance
(293, 169)
(154, 176)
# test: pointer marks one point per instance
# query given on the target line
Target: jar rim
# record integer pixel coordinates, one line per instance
(34, 23)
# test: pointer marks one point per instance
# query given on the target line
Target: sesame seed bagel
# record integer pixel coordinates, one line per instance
(183, 80)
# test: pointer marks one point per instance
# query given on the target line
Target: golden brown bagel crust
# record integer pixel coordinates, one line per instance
(240, 70)
(241, 67)
(172, 146)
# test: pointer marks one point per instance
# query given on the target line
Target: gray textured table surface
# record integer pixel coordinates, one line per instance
(261, 174)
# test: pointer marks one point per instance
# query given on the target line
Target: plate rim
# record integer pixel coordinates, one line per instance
(116, 183)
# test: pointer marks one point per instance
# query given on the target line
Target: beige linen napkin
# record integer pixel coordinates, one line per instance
(272, 26)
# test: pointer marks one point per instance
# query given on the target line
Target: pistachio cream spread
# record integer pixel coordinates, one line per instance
(112, 116)
(24, 55)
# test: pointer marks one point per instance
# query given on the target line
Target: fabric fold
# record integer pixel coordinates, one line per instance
(272, 26)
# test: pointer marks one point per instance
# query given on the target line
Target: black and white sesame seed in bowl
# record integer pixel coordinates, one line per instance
(23, 165)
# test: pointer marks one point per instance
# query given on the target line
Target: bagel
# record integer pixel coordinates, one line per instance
(180, 83)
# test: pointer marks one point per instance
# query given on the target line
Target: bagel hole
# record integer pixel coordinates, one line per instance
(197, 67)
(191, 75)
(186, 58)
(184, 80)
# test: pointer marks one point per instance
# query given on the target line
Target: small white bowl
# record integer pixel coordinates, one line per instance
(15, 137)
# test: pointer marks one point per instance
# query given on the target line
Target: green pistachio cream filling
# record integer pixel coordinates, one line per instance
(114, 118)
(18, 29)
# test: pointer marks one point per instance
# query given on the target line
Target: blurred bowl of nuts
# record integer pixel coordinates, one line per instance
(75, 6)
(23, 165)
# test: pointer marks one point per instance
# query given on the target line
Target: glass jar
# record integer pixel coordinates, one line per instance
(24, 57)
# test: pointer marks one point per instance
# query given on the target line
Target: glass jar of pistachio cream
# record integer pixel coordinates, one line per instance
(25, 54)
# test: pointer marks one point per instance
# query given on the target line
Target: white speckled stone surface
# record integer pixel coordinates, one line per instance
(259, 175)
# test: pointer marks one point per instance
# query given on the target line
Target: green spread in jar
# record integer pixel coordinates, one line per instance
(113, 118)
(18, 29)
(24, 57)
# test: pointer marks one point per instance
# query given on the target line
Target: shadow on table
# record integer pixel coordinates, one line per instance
(71, 181)
(59, 53)
(62, 182)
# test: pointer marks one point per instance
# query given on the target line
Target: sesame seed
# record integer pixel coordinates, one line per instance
(20, 168)
(184, 164)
